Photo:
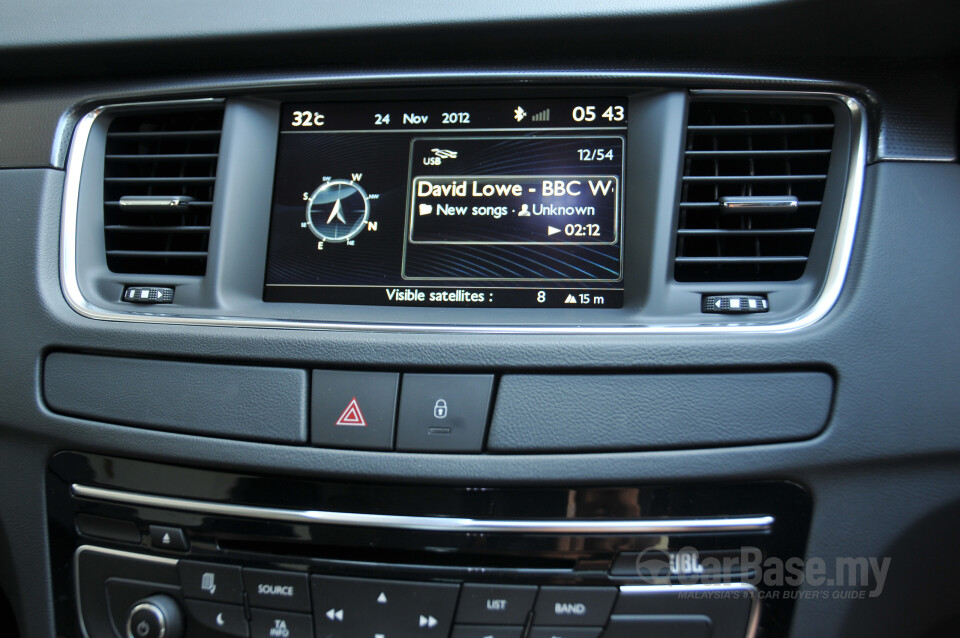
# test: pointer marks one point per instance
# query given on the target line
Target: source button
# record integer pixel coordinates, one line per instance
(277, 590)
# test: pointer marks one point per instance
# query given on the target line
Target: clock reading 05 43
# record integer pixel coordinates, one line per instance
(337, 211)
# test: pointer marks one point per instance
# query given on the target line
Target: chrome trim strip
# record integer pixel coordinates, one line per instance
(759, 204)
(134, 201)
(829, 294)
(753, 623)
(112, 552)
(432, 523)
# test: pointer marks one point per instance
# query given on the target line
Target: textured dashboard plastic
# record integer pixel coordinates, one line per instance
(556, 413)
(241, 402)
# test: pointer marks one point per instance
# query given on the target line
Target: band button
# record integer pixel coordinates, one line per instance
(561, 606)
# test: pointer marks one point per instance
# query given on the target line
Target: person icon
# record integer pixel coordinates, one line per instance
(523, 211)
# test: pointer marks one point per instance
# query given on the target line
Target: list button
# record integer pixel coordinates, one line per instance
(495, 604)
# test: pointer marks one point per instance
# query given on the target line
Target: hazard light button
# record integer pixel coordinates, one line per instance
(353, 410)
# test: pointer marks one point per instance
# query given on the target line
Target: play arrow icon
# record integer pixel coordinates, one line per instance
(552, 231)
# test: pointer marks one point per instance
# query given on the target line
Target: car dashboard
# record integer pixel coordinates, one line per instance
(494, 321)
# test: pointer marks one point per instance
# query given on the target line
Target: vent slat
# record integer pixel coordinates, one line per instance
(152, 156)
(754, 152)
(759, 153)
(150, 135)
(722, 129)
(193, 204)
(155, 254)
(743, 260)
(753, 178)
(717, 204)
(159, 180)
(128, 228)
(160, 157)
(745, 233)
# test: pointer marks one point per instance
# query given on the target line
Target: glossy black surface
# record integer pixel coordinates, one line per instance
(412, 554)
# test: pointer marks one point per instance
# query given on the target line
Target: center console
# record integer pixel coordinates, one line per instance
(611, 207)
(157, 551)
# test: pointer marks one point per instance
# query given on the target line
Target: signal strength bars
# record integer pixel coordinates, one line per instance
(542, 116)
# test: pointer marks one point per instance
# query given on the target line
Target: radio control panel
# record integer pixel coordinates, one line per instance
(150, 597)
(148, 550)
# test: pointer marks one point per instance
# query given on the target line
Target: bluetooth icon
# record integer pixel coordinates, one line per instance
(519, 114)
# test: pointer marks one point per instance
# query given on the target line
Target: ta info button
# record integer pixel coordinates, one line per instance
(585, 606)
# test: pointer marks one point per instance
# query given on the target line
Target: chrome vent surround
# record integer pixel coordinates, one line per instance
(158, 189)
(753, 181)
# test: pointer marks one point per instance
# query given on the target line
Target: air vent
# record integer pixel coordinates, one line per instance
(159, 174)
(753, 183)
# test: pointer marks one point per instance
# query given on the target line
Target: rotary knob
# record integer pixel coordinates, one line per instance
(157, 616)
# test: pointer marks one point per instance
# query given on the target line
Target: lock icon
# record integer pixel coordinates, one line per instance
(440, 409)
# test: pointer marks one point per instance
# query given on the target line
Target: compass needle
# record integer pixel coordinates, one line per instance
(336, 213)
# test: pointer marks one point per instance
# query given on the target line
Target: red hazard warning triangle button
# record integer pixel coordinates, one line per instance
(352, 415)
(353, 410)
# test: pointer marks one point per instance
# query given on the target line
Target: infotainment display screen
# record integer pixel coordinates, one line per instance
(483, 203)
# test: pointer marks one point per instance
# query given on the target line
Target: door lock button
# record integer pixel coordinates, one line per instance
(443, 412)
